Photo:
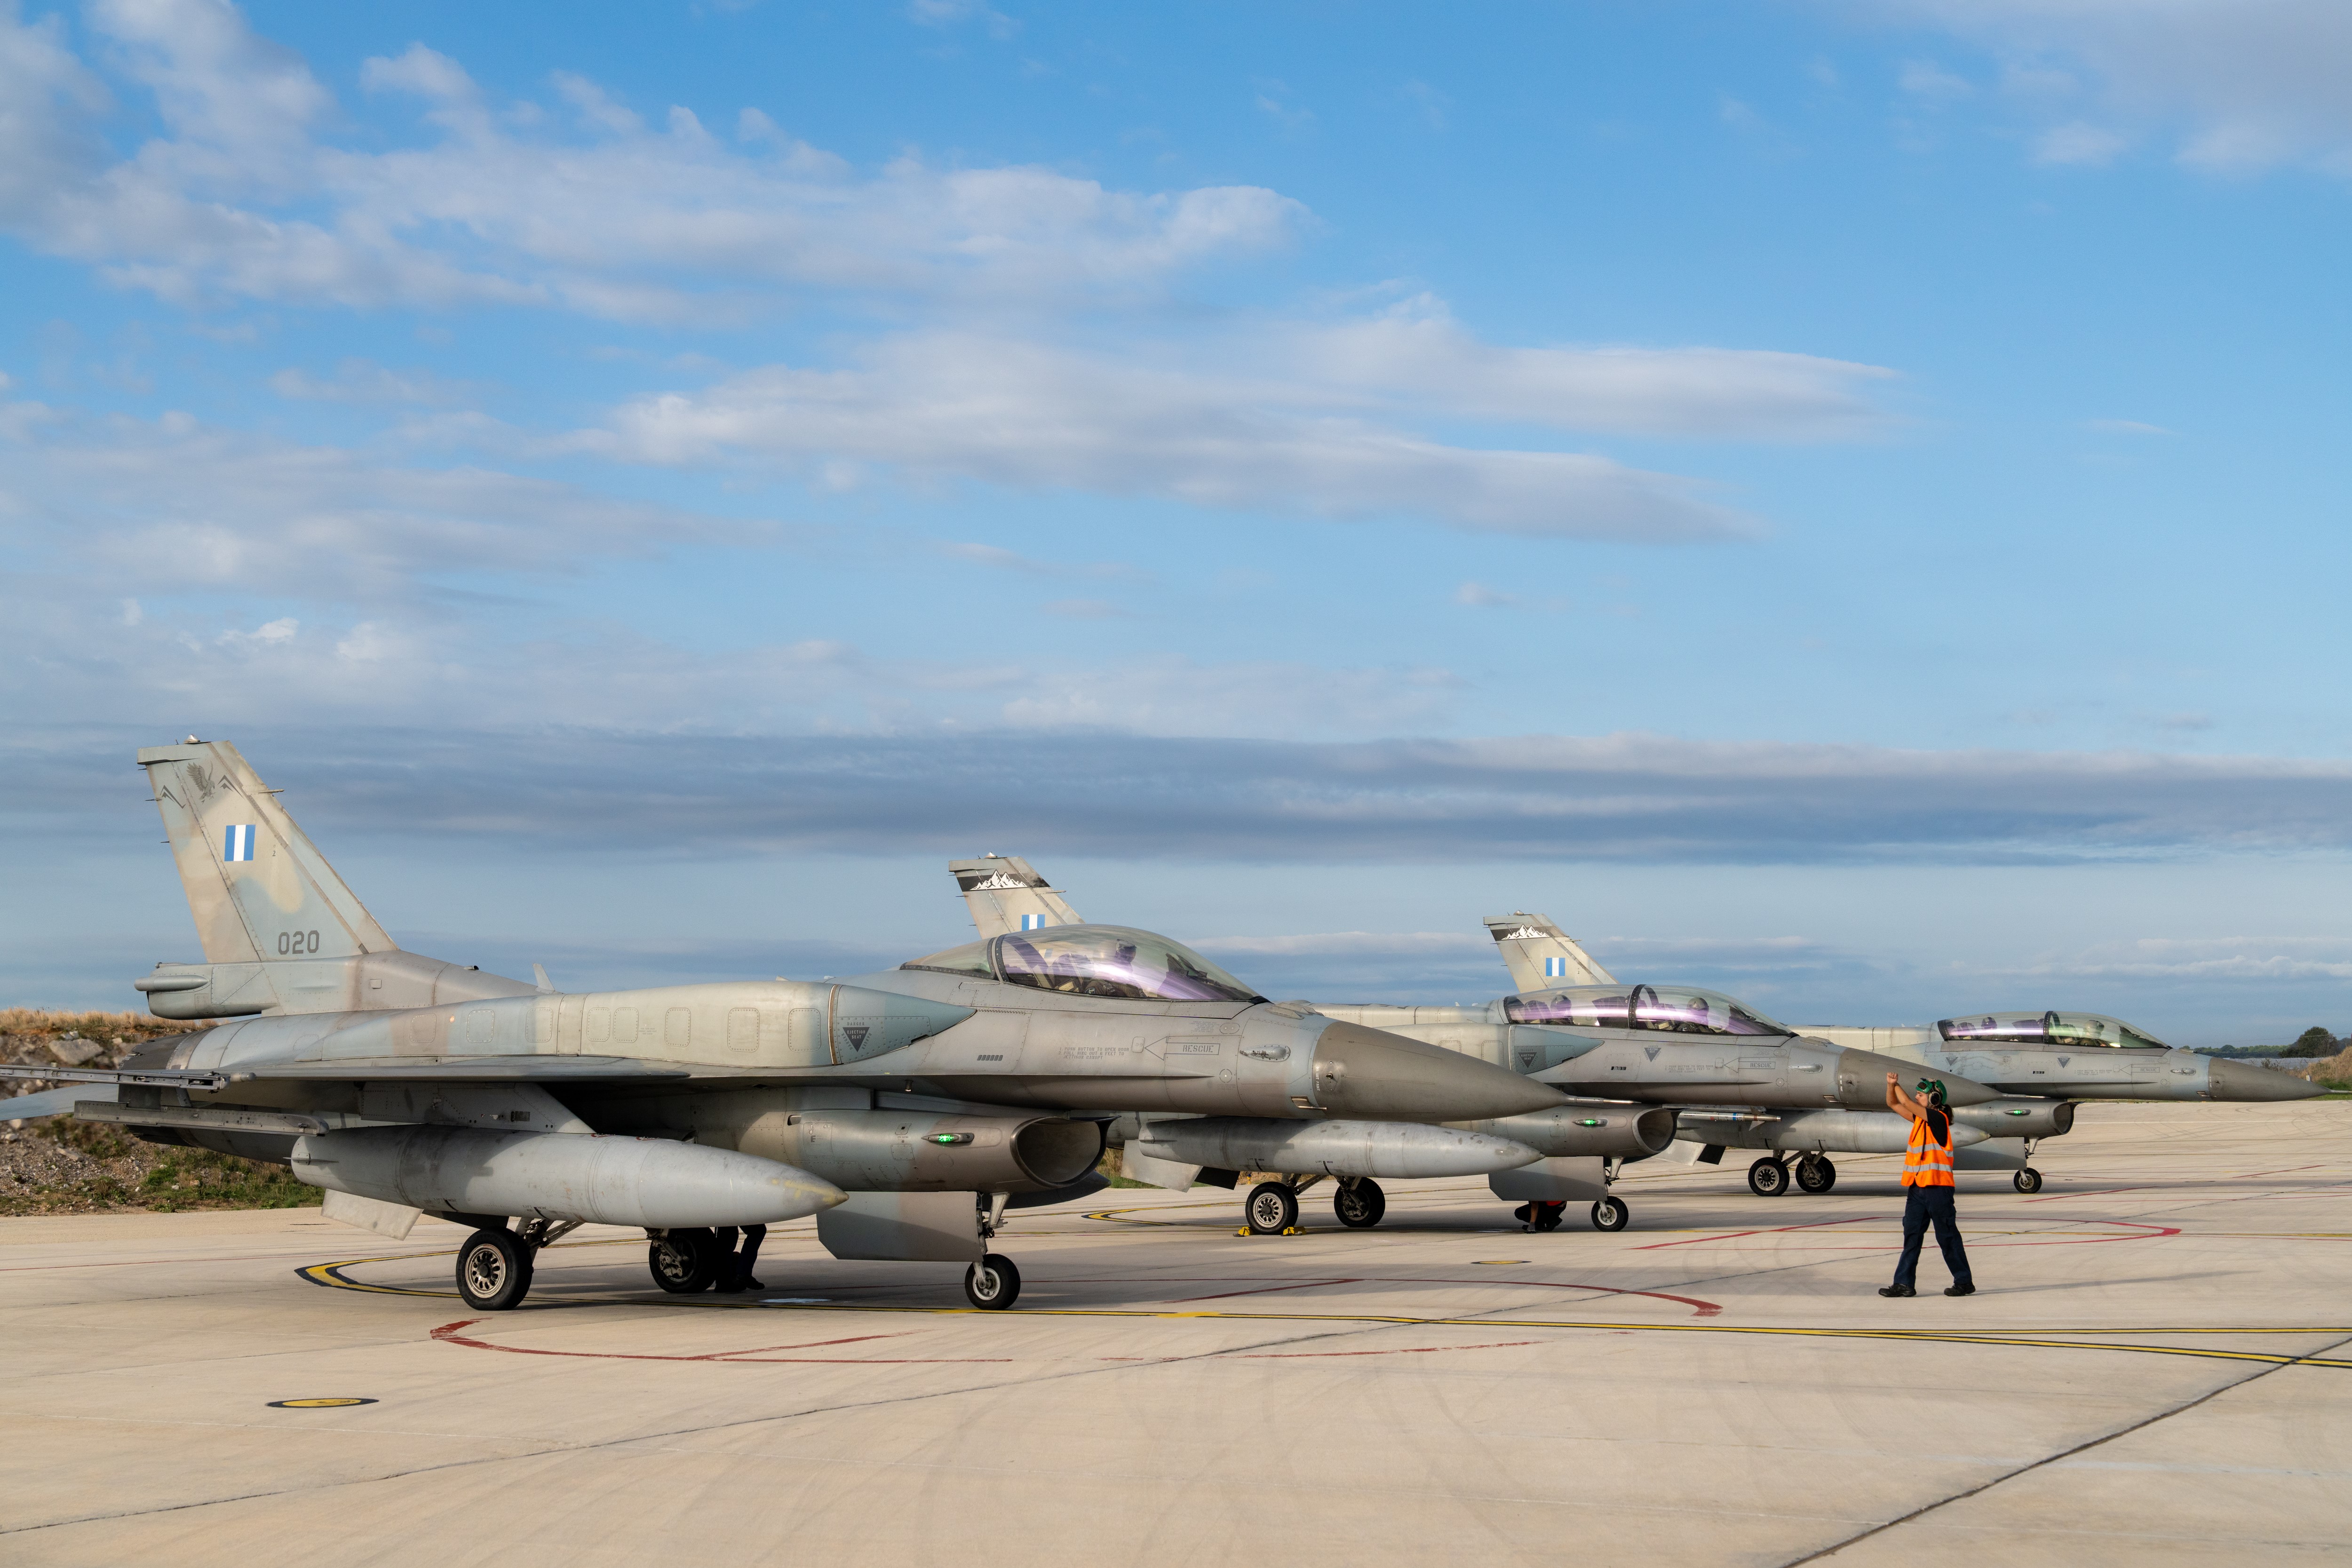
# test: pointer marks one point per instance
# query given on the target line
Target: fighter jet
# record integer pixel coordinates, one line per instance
(2040, 1063)
(1678, 1054)
(906, 1111)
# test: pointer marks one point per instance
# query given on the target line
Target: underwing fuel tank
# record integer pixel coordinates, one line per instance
(1810, 1132)
(1392, 1149)
(1610, 1131)
(651, 1182)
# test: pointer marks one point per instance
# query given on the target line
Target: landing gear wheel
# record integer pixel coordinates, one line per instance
(2029, 1179)
(683, 1262)
(1610, 1214)
(1767, 1178)
(991, 1284)
(1360, 1204)
(1272, 1208)
(493, 1270)
(1816, 1174)
(1546, 1216)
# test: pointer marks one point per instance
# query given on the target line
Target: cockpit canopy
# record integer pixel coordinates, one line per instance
(1094, 960)
(2044, 1029)
(1674, 1009)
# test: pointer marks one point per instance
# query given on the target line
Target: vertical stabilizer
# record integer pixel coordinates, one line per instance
(1004, 894)
(260, 889)
(1540, 955)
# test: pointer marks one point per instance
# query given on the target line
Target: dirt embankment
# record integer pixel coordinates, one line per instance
(58, 1165)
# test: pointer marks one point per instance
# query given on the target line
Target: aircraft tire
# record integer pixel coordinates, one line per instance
(991, 1284)
(2029, 1179)
(493, 1270)
(1815, 1175)
(683, 1262)
(1272, 1208)
(1360, 1204)
(1767, 1177)
(1610, 1214)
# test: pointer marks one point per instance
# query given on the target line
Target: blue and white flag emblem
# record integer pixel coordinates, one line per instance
(237, 844)
(1555, 969)
(1033, 922)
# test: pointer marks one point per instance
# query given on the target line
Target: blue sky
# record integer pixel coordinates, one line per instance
(1846, 500)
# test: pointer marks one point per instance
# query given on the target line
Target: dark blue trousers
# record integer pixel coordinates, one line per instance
(1922, 1206)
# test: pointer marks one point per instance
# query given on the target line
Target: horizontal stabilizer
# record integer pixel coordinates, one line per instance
(51, 1101)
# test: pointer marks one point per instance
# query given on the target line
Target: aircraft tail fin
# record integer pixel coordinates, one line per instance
(1540, 955)
(1005, 894)
(260, 889)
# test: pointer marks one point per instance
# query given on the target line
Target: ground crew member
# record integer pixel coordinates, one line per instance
(735, 1267)
(1927, 1189)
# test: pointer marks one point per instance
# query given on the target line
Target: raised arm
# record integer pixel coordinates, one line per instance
(1901, 1103)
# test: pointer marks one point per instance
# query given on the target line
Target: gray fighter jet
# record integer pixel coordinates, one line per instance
(2040, 1063)
(906, 1111)
(1677, 1054)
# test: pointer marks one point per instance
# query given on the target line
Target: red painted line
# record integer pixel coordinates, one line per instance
(447, 1335)
(2094, 1192)
(1760, 1230)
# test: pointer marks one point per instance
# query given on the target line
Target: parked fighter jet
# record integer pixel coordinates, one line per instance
(1681, 1049)
(907, 1109)
(2042, 1062)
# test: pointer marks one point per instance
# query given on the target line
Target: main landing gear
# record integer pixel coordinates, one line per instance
(1359, 1203)
(495, 1266)
(1272, 1209)
(1609, 1214)
(1770, 1176)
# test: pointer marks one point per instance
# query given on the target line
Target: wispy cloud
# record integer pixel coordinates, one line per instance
(2245, 84)
(248, 195)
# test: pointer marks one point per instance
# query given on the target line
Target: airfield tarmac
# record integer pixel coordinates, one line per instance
(2157, 1369)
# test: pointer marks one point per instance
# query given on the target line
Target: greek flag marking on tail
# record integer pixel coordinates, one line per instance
(1555, 968)
(1033, 922)
(237, 844)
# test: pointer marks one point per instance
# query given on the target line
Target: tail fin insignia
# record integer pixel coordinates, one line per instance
(1005, 894)
(259, 888)
(1540, 955)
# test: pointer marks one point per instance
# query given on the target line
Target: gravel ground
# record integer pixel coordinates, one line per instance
(58, 1165)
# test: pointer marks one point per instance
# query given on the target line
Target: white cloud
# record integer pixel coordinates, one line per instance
(1478, 596)
(363, 380)
(2077, 141)
(247, 195)
(1024, 416)
(2248, 83)
(1417, 353)
(2124, 427)
(176, 506)
(1932, 84)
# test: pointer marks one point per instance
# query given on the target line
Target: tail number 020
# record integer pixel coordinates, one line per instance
(290, 942)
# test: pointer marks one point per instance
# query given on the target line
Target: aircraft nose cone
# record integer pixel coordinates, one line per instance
(2243, 1080)
(1867, 1070)
(1370, 1072)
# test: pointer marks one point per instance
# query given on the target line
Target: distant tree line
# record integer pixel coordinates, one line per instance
(2315, 1042)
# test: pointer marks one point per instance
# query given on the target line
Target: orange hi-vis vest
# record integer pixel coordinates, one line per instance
(1927, 1163)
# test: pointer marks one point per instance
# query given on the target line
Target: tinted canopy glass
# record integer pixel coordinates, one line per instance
(1673, 1009)
(1094, 960)
(2045, 1029)
(1114, 961)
